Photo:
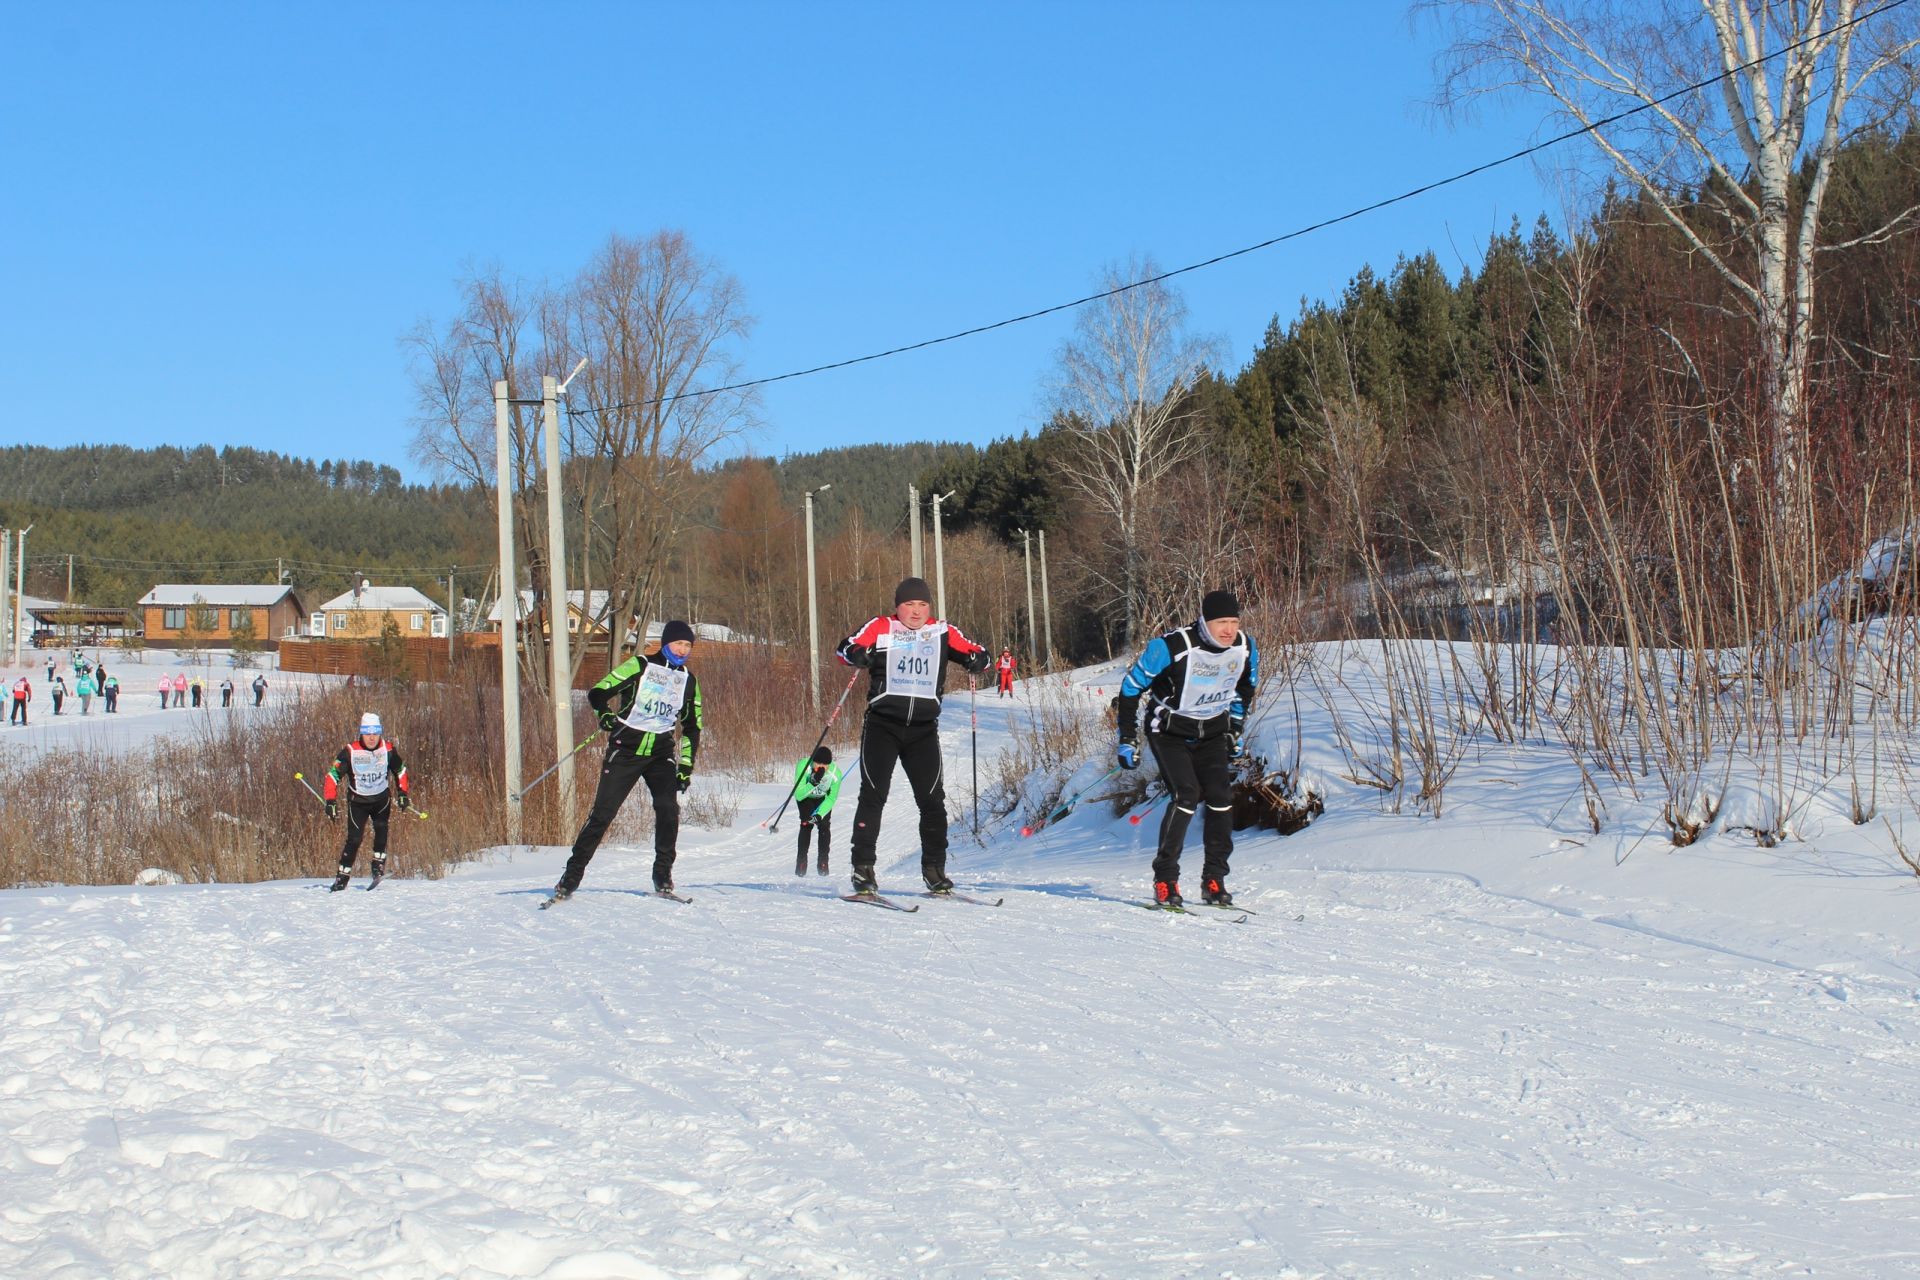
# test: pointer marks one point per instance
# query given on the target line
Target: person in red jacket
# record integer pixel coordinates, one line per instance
(905, 656)
(376, 781)
(1004, 668)
(22, 695)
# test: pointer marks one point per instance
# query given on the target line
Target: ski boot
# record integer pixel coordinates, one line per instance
(864, 881)
(800, 863)
(1166, 893)
(820, 868)
(340, 880)
(1214, 893)
(939, 883)
(663, 884)
(561, 892)
(379, 870)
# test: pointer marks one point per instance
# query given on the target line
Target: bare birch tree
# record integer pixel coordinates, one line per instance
(1122, 389)
(658, 325)
(1757, 149)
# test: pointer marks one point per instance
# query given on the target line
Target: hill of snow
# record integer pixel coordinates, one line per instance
(1488, 1043)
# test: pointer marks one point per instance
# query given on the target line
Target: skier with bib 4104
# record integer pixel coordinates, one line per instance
(1199, 682)
(376, 780)
(651, 709)
(905, 656)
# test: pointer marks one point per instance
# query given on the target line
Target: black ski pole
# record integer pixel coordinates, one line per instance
(555, 769)
(773, 824)
(973, 714)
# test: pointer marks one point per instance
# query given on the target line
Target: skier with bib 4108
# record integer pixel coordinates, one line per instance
(651, 709)
(1198, 682)
(905, 656)
(376, 781)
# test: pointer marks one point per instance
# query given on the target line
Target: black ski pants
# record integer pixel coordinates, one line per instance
(1195, 770)
(19, 715)
(917, 748)
(361, 810)
(619, 771)
(810, 817)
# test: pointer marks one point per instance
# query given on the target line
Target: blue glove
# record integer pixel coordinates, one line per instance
(1129, 756)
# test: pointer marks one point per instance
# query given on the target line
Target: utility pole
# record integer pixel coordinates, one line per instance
(509, 608)
(1046, 597)
(939, 559)
(69, 579)
(450, 621)
(19, 589)
(919, 568)
(6, 599)
(1026, 549)
(557, 617)
(813, 606)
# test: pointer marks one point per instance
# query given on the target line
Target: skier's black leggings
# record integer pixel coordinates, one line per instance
(809, 819)
(917, 748)
(618, 773)
(359, 810)
(1195, 769)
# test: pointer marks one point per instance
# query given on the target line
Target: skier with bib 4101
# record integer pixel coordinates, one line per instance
(651, 709)
(905, 656)
(1198, 682)
(376, 780)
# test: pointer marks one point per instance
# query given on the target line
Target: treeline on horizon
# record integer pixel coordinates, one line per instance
(1373, 433)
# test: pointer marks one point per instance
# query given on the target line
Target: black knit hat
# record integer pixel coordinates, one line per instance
(912, 589)
(823, 755)
(675, 630)
(1219, 604)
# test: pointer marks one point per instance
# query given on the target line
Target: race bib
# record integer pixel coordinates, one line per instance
(369, 771)
(1209, 687)
(913, 662)
(656, 703)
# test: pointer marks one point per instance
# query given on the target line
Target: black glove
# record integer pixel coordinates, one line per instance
(1236, 728)
(333, 811)
(686, 777)
(855, 654)
(610, 721)
(403, 800)
(979, 661)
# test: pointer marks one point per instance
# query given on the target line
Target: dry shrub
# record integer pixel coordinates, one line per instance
(1059, 736)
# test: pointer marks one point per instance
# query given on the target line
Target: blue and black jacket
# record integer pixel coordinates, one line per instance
(1160, 675)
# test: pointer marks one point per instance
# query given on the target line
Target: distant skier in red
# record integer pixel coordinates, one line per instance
(1003, 667)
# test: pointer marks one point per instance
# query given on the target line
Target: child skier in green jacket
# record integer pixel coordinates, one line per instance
(816, 785)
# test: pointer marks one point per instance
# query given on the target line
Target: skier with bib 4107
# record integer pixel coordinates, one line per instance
(651, 709)
(376, 780)
(905, 656)
(1199, 682)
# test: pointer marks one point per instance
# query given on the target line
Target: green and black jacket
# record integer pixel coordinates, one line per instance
(615, 693)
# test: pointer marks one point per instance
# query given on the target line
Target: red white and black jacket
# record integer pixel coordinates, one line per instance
(907, 669)
(366, 773)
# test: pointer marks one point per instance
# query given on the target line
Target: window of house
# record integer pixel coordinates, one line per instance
(339, 622)
(173, 619)
(239, 619)
(419, 622)
(573, 622)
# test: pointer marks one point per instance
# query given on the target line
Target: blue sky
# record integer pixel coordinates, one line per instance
(220, 220)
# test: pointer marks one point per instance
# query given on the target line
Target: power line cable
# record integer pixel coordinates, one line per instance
(1295, 234)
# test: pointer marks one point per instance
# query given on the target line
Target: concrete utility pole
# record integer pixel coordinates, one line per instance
(19, 590)
(69, 579)
(813, 606)
(509, 620)
(6, 597)
(919, 569)
(1026, 549)
(1046, 597)
(450, 621)
(939, 559)
(558, 645)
